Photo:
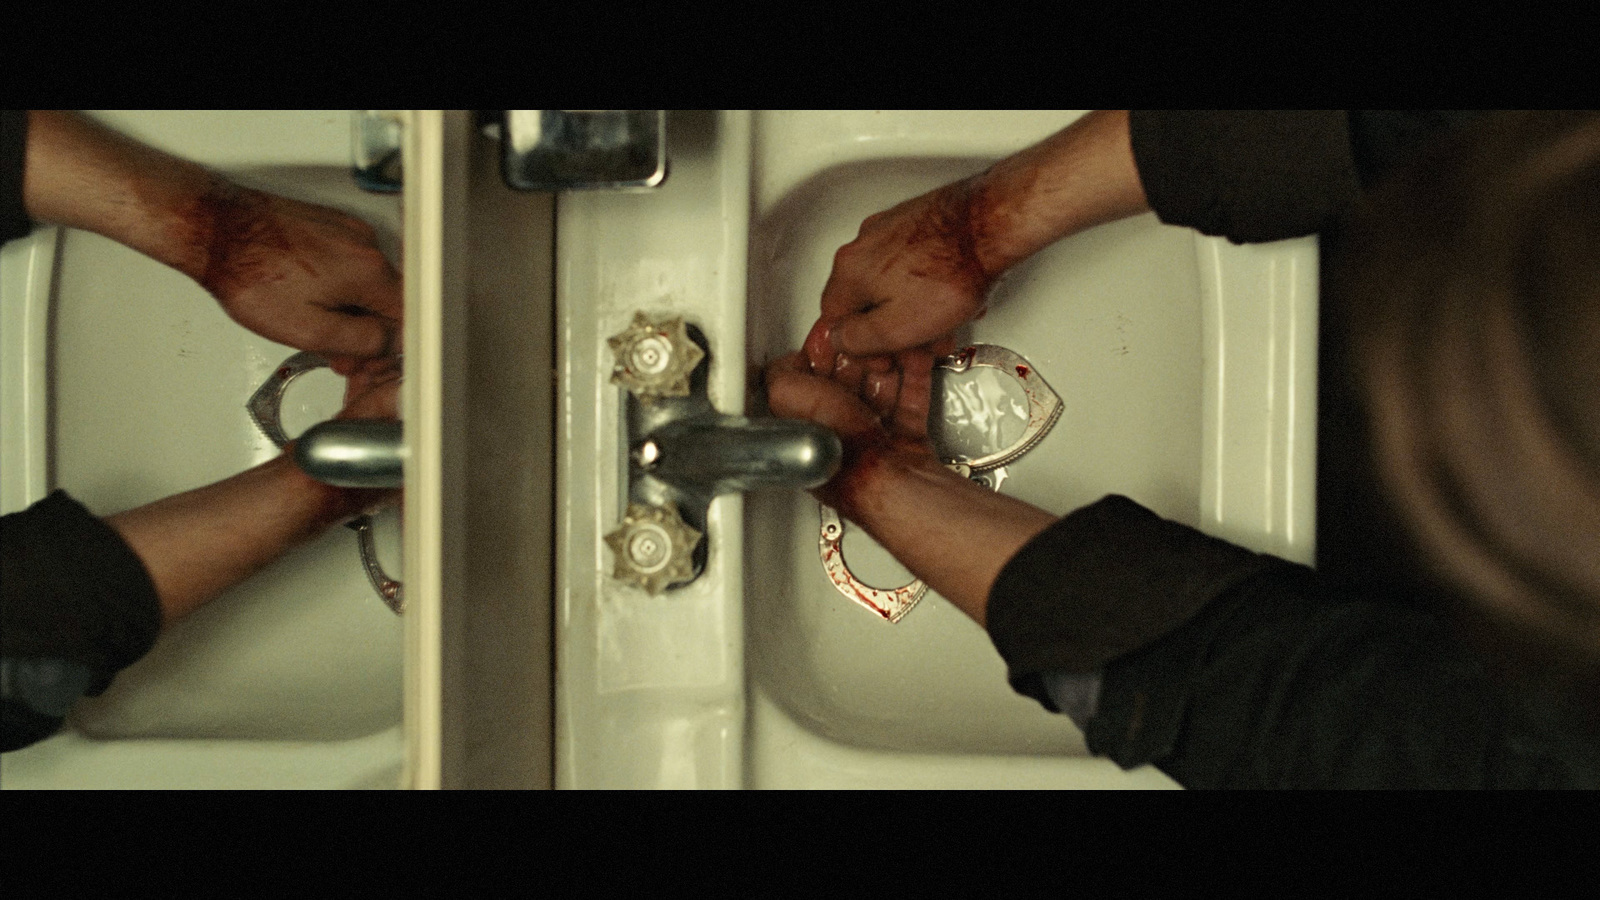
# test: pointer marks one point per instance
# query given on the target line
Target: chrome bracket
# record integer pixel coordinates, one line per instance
(583, 149)
(376, 141)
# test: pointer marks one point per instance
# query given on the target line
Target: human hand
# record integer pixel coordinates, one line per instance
(372, 390)
(197, 544)
(296, 273)
(951, 533)
(920, 270)
(879, 413)
(912, 276)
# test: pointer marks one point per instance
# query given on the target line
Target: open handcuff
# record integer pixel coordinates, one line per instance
(265, 407)
(1044, 408)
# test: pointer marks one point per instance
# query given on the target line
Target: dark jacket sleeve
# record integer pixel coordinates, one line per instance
(1247, 175)
(75, 603)
(1270, 174)
(14, 221)
(1230, 669)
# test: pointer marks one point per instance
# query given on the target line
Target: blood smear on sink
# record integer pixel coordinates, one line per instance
(978, 412)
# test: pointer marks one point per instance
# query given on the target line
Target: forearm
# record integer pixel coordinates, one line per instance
(81, 174)
(197, 544)
(953, 534)
(1079, 177)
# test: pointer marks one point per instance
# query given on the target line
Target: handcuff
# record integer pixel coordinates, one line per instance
(1044, 408)
(265, 407)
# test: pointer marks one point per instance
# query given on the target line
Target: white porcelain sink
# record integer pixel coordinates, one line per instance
(130, 385)
(1111, 321)
(1187, 370)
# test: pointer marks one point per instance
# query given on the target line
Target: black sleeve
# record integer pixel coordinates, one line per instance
(74, 597)
(1246, 675)
(1247, 175)
(1269, 174)
(14, 221)
(1383, 140)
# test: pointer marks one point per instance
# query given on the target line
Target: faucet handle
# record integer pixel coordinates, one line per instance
(654, 547)
(655, 357)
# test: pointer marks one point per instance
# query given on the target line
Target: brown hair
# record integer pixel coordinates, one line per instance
(1473, 280)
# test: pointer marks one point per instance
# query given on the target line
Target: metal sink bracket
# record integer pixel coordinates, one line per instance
(583, 149)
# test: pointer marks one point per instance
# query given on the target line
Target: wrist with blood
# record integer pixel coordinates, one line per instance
(227, 239)
(870, 462)
(330, 505)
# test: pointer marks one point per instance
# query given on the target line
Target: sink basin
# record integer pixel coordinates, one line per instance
(1111, 320)
(144, 396)
(1186, 367)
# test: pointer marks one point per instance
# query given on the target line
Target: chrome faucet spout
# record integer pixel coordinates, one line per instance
(355, 453)
(715, 455)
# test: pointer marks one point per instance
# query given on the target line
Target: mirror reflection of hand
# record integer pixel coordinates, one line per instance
(304, 275)
(372, 390)
(300, 274)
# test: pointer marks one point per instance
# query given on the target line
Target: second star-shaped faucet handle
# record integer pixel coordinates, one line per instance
(654, 357)
(653, 547)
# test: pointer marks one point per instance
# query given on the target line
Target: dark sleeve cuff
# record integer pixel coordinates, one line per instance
(1103, 581)
(1247, 175)
(21, 726)
(1116, 588)
(73, 590)
(14, 220)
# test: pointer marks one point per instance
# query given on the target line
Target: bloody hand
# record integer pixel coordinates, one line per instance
(299, 274)
(879, 410)
(913, 275)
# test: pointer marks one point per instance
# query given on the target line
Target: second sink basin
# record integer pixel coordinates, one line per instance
(1111, 320)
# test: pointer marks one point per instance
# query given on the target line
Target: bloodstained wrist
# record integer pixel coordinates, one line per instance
(857, 491)
(226, 237)
(330, 505)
